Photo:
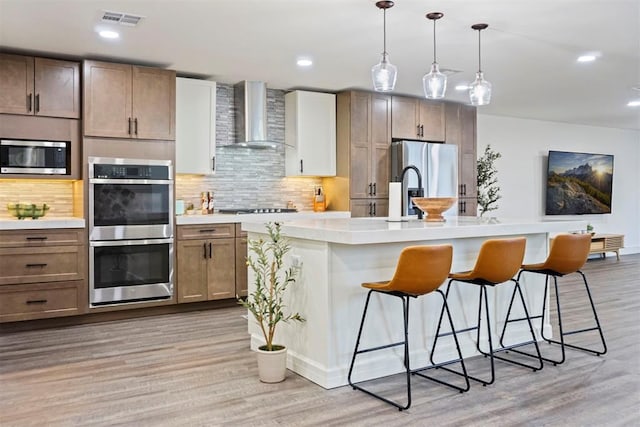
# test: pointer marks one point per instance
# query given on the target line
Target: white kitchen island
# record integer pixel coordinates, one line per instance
(337, 255)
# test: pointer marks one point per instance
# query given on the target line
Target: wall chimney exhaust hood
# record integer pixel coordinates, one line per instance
(251, 115)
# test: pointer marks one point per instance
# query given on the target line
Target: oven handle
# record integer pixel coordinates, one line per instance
(130, 242)
(130, 181)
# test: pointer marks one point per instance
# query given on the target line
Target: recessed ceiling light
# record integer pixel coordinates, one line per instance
(109, 34)
(586, 58)
(462, 87)
(635, 103)
(304, 62)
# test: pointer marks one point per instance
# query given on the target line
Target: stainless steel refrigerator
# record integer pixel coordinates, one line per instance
(438, 166)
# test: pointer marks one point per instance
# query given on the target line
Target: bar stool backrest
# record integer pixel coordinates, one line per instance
(499, 259)
(421, 269)
(568, 253)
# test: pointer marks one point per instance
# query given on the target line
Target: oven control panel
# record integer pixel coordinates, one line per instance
(105, 171)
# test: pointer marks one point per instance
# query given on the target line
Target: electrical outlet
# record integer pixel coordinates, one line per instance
(296, 261)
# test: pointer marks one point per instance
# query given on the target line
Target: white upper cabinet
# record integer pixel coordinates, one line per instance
(310, 134)
(195, 126)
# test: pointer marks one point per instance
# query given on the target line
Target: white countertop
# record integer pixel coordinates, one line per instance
(355, 231)
(41, 223)
(259, 218)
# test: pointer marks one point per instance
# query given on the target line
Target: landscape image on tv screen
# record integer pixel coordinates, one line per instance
(579, 183)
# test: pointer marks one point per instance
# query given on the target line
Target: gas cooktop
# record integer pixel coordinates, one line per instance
(256, 211)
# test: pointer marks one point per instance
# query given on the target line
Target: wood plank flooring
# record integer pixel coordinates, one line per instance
(196, 369)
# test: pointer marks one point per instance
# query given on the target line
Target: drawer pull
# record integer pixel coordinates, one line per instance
(37, 301)
(37, 238)
(211, 230)
(41, 265)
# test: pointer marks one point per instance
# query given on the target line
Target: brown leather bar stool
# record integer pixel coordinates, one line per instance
(497, 262)
(569, 252)
(420, 271)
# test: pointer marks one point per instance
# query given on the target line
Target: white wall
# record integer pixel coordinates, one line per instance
(524, 145)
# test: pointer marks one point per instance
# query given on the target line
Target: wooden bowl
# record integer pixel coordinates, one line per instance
(433, 207)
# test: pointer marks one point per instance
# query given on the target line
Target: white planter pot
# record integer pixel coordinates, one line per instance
(272, 365)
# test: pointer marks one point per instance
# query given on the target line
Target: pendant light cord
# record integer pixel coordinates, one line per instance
(384, 34)
(479, 53)
(434, 41)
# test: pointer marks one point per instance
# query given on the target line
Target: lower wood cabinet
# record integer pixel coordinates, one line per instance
(241, 262)
(206, 256)
(369, 207)
(42, 274)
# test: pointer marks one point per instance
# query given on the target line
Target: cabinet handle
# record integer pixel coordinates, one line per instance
(129, 129)
(37, 102)
(464, 206)
(37, 301)
(37, 238)
(374, 209)
(301, 165)
(41, 265)
(464, 189)
(29, 98)
(374, 189)
(207, 230)
(370, 209)
(418, 130)
(209, 249)
(370, 189)
(422, 131)
(135, 126)
(213, 164)
(204, 248)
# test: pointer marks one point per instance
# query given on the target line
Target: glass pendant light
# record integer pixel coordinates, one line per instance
(384, 73)
(480, 89)
(434, 83)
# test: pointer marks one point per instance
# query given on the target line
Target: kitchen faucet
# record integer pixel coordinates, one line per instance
(420, 191)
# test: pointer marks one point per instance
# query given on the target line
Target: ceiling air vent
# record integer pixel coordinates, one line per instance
(121, 18)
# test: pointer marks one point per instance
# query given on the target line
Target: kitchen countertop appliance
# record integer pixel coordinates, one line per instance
(131, 219)
(438, 167)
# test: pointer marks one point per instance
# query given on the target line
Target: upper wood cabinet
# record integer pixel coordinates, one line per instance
(363, 141)
(195, 126)
(310, 134)
(418, 119)
(461, 130)
(127, 101)
(39, 86)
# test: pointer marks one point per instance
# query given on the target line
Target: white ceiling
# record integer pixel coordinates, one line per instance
(529, 50)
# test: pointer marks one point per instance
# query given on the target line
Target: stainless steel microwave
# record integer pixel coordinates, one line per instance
(34, 157)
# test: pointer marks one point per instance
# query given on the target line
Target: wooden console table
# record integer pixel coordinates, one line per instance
(601, 243)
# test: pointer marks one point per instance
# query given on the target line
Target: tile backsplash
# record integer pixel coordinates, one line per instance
(245, 177)
(58, 195)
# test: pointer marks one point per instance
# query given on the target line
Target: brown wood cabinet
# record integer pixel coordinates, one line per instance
(363, 166)
(206, 257)
(42, 274)
(461, 130)
(241, 262)
(39, 86)
(417, 119)
(127, 101)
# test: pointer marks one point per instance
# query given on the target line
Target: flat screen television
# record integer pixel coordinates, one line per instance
(579, 183)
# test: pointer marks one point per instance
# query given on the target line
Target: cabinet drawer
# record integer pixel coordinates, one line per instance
(25, 302)
(597, 245)
(32, 265)
(206, 231)
(614, 242)
(30, 238)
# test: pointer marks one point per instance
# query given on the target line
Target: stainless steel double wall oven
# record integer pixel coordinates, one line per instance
(130, 230)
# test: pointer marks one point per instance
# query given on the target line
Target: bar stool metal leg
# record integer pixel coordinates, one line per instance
(405, 310)
(562, 332)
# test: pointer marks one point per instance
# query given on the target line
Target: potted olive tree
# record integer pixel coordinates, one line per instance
(266, 302)
(488, 189)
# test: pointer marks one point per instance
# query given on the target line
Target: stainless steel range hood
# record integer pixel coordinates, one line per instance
(251, 115)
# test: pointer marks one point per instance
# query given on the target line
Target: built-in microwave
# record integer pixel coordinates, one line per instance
(19, 156)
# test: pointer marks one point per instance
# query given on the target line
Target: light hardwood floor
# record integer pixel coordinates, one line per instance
(196, 369)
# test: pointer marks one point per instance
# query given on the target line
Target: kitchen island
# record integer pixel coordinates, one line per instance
(337, 255)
